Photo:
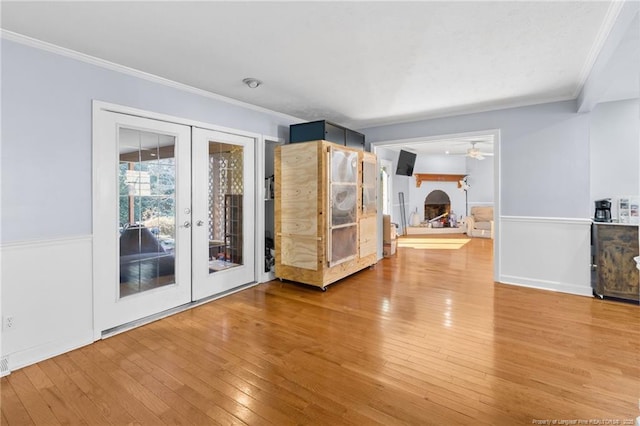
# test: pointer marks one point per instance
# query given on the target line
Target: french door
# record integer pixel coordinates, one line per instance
(142, 216)
(223, 212)
(173, 216)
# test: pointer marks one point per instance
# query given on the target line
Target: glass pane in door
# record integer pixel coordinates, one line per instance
(226, 190)
(147, 220)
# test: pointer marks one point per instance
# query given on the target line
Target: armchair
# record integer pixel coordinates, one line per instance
(480, 222)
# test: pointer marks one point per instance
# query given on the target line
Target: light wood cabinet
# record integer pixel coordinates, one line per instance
(325, 212)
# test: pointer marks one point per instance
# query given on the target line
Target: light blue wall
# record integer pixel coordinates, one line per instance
(615, 150)
(481, 180)
(544, 155)
(46, 134)
(440, 164)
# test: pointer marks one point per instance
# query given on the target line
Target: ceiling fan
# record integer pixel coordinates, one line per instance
(474, 152)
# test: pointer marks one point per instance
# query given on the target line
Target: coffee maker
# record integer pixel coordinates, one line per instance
(603, 210)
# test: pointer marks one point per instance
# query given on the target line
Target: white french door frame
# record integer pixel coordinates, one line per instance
(99, 106)
(205, 283)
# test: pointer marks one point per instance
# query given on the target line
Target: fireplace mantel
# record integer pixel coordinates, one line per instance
(420, 177)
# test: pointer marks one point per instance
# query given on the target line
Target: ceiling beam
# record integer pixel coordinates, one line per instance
(599, 77)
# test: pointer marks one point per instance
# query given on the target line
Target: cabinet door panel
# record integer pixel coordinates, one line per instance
(298, 251)
(368, 236)
(369, 192)
(344, 204)
(344, 166)
(334, 134)
(298, 190)
(616, 246)
(343, 244)
(354, 139)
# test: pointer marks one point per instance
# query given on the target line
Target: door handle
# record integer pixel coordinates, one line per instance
(187, 224)
(199, 223)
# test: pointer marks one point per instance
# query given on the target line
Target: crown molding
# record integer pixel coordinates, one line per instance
(605, 29)
(72, 54)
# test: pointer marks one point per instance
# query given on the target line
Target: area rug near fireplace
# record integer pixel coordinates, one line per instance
(433, 243)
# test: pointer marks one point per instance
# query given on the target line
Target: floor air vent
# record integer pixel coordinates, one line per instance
(4, 366)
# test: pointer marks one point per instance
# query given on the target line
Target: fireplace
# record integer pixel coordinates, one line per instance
(436, 203)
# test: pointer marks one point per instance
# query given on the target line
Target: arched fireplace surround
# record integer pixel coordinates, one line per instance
(436, 203)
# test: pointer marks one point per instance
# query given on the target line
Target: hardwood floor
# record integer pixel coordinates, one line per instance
(425, 337)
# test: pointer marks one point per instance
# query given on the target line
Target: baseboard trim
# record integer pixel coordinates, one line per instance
(575, 289)
(18, 360)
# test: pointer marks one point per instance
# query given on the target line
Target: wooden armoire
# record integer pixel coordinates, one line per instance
(325, 212)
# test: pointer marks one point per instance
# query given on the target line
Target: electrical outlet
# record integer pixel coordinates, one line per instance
(9, 322)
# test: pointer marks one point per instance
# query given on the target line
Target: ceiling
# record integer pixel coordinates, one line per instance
(454, 146)
(359, 64)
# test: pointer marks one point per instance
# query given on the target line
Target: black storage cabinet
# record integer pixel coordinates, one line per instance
(325, 130)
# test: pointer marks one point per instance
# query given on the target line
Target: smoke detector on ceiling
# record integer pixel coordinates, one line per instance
(252, 83)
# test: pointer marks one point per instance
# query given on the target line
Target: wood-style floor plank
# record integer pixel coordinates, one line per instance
(34, 401)
(195, 388)
(73, 396)
(180, 412)
(13, 410)
(63, 411)
(426, 337)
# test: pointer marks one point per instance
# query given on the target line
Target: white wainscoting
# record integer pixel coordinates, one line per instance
(47, 289)
(546, 253)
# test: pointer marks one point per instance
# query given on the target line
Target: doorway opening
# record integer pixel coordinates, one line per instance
(475, 154)
(386, 185)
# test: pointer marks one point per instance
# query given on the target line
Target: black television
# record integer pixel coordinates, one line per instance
(406, 161)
